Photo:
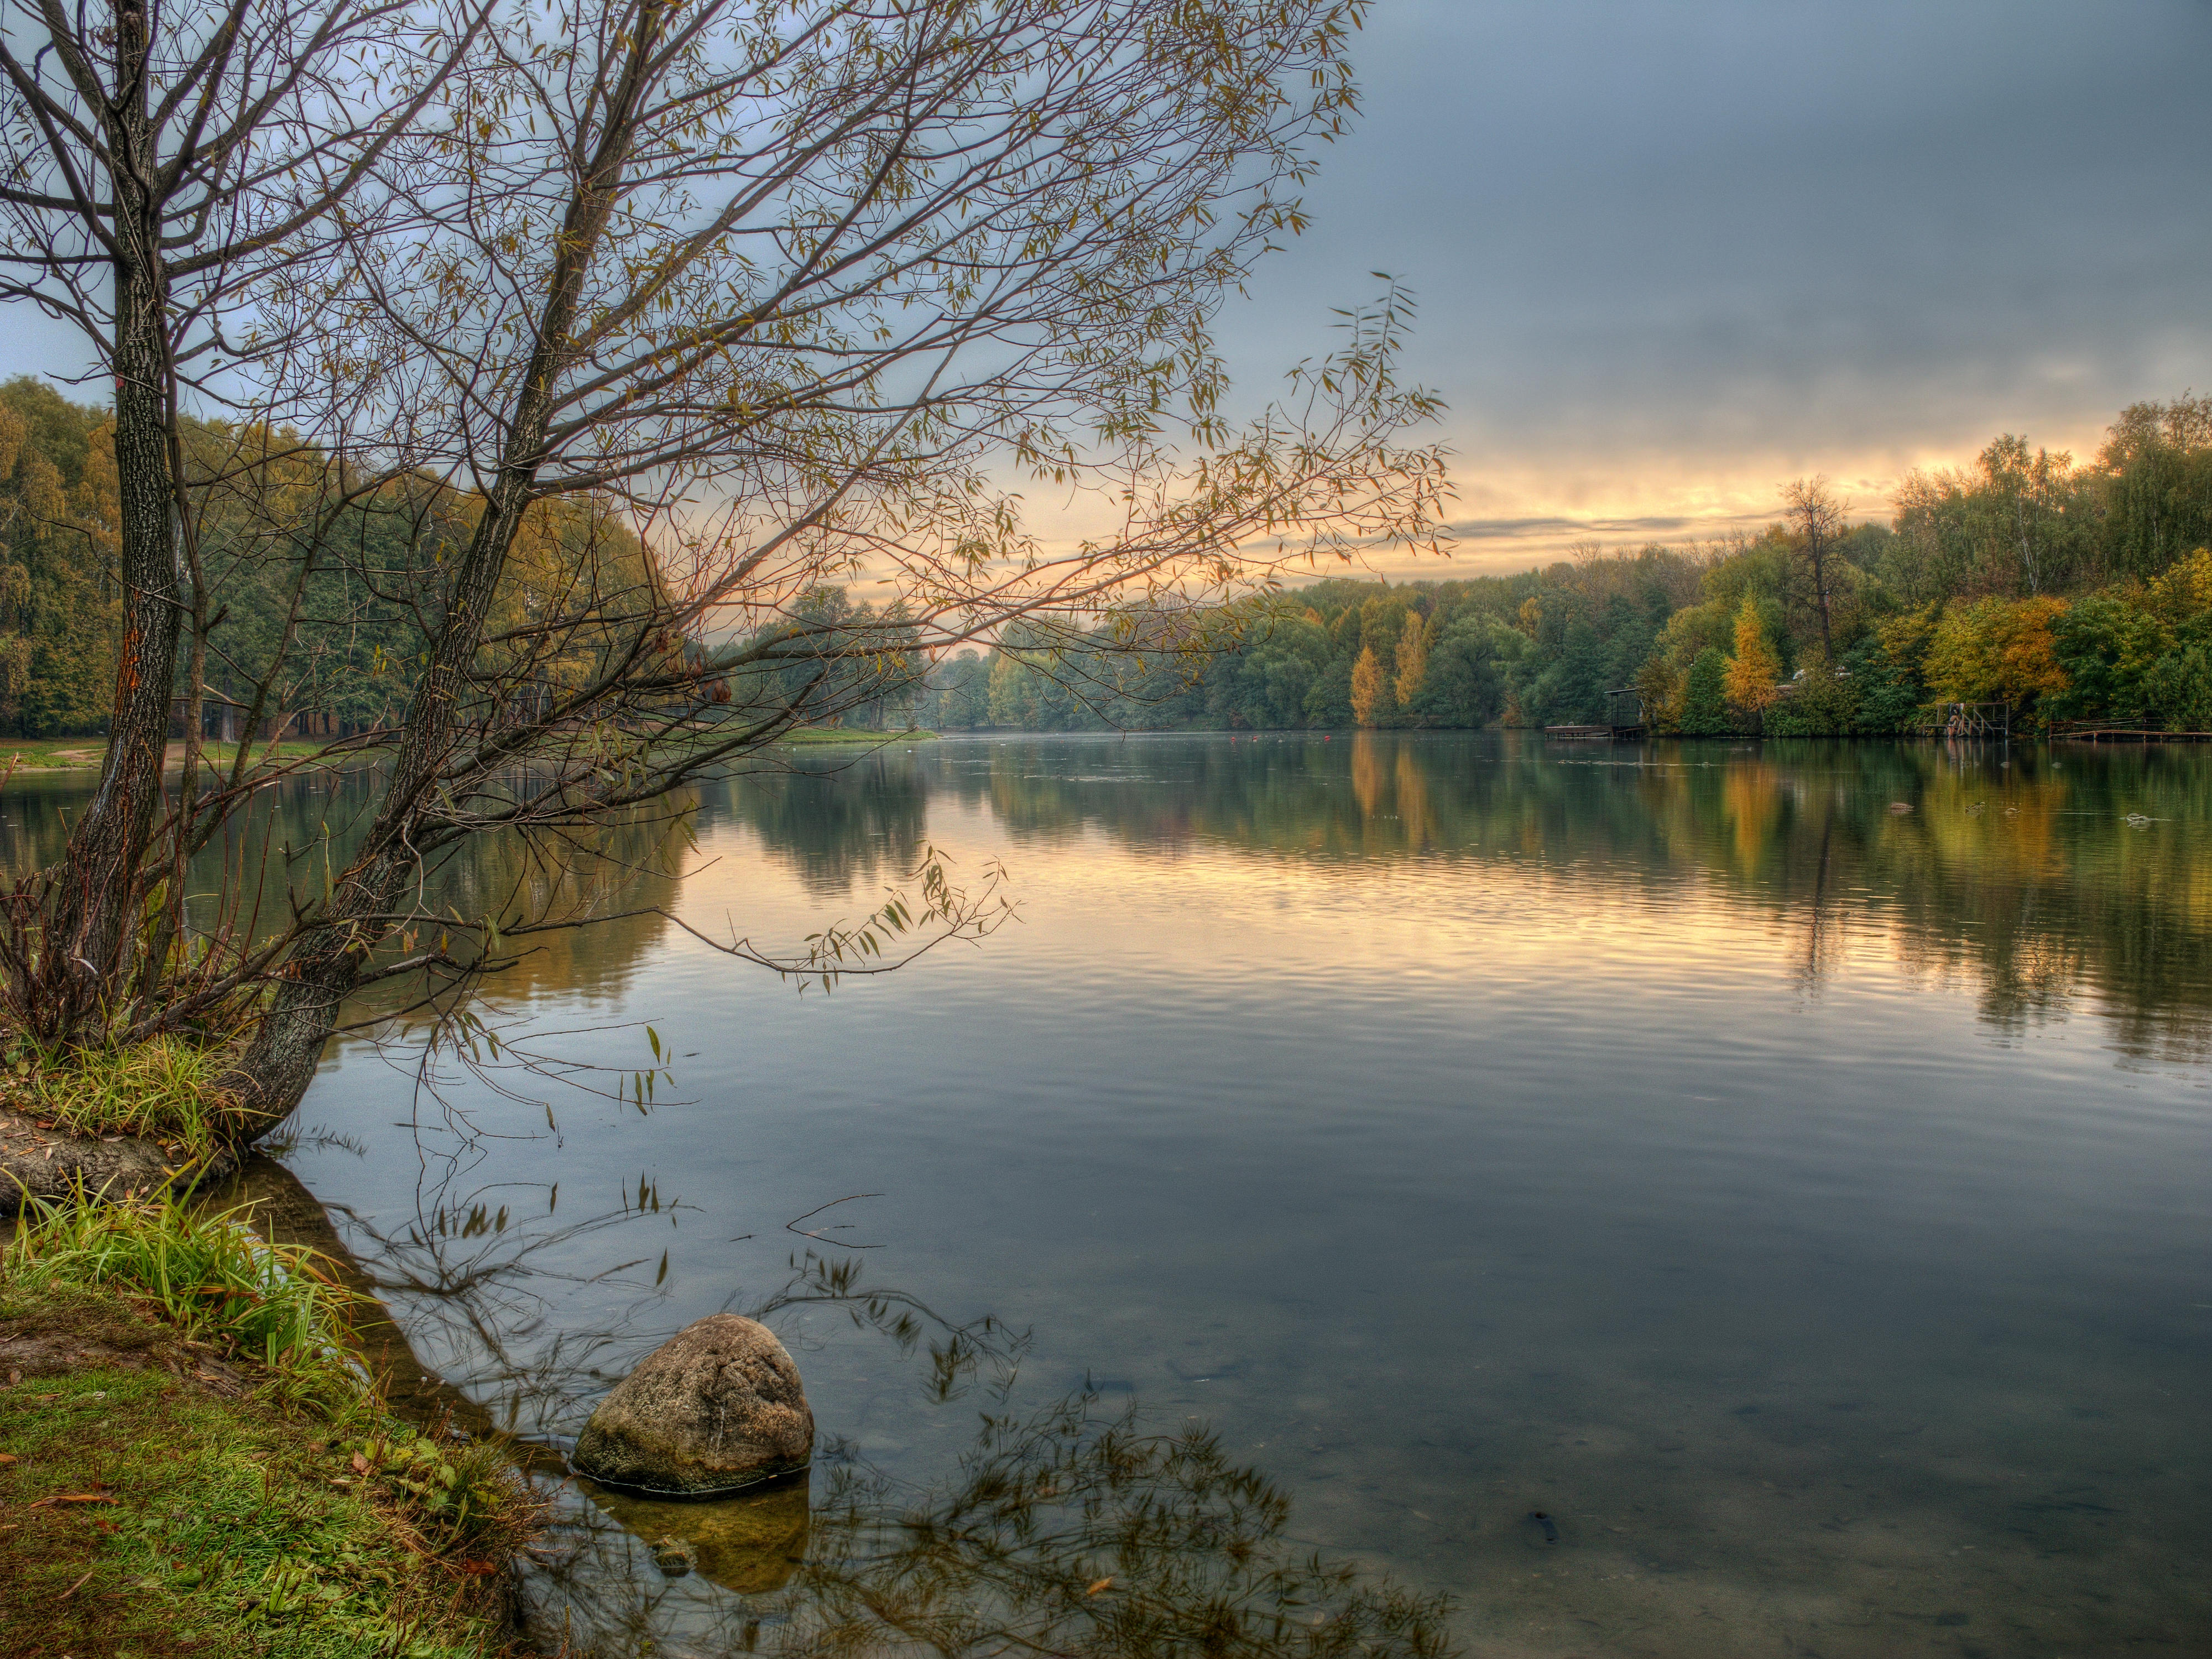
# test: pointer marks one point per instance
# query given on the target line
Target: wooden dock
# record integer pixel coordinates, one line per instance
(1971, 720)
(1624, 721)
(2121, 732)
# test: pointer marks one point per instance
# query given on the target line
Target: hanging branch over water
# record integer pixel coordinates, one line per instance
(672, 319)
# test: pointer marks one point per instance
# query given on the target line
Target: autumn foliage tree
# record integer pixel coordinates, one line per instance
(1997, 651)
(1754, 673)
(1373, 701)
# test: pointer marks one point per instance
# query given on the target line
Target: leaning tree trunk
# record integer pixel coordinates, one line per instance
(87, 935)
(276, 1067)
(274, 1073)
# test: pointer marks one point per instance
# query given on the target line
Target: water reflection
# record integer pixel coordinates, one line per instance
(839, 822)
(2038, 874)
(1719, 1148)
(1071, 1531)
(751, 1545)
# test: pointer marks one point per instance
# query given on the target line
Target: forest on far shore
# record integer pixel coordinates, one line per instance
(2064, 590)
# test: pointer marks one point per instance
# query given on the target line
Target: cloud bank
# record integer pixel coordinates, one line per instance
(1670, 255)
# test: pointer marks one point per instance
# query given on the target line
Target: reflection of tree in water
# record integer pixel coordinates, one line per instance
(2018, 871)
(836, 821)
(1074, 1533)
(307, 826)
(472, 1276)
(474, 1271)
(1066, 1532)
(1070, 1532)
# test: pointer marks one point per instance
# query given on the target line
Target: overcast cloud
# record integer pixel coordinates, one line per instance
(1670, 254)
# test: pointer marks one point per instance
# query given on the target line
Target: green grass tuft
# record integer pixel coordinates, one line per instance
(212, 1278)
(813, 734)
(163, 1089)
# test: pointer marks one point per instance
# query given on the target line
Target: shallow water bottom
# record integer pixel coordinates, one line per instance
(1801, 1204)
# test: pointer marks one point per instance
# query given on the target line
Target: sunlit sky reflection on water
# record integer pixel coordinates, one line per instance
(1800, 1200)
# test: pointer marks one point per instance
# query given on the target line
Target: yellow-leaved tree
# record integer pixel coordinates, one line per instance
(1368, 682)
(1997, 650)
(1754, 674)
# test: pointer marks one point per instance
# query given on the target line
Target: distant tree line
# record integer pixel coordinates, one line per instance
(2064, 591)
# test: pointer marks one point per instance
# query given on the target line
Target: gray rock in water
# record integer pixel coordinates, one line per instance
(716, 1408)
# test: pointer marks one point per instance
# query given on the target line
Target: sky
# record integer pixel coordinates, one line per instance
(1670, 255)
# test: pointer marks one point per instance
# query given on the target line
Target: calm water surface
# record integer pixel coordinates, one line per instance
(1799, 1200)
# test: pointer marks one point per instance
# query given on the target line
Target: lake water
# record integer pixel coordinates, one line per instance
(1799, 1201)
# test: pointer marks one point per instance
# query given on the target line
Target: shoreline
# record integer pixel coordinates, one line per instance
(38, 755)
(171, 1484)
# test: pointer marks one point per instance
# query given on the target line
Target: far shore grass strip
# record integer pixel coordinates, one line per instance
(817, 734)
(68, 754)
(85, 754)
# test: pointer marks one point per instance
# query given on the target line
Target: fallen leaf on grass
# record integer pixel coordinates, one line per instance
(7, 1457)
(72, 1497)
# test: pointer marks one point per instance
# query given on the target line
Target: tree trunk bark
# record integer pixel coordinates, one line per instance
(87, 926)
(274, 1073)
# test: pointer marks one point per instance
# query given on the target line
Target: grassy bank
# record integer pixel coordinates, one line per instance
(192, 1463)
(72, 754)
(50, 754)
(163, 1090)
(817, 734)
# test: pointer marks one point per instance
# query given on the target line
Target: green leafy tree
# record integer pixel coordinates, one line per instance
(1464, 685)
(2177, 690)
(1821, 701)
(1660, 687)
(1704, 696)
(2154, 483)
(963, 686)
(1573, 690)
(2106, 648)
(60, 607)
(1329, 702)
